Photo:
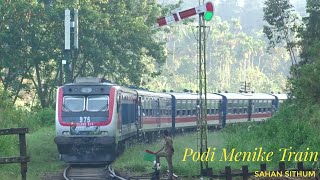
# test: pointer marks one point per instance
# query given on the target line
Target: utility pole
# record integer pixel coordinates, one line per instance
(202, 121)
(202, 118)
(205, 12)
(70, 27)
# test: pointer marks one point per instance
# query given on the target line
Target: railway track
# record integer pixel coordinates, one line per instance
(86, 172)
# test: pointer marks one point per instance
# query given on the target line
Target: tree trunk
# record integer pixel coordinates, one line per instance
(39, 89)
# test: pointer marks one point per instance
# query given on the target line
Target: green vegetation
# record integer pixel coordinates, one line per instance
(40, 145)
(288, 128)
(116, 42)
(42, 151)
(132, 160)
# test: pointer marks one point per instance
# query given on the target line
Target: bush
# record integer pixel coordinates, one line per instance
(44, 117)
(293, 126)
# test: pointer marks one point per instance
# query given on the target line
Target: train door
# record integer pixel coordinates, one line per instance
(250, 109)
(220, 112)
(223, 111)
(173, 114)
(156, 108)
(139, 116)
(119, 101)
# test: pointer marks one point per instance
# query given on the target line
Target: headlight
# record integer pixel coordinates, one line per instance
(104, 132)
(65, 132)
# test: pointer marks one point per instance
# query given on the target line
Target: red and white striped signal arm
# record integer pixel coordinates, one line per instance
(175, 17)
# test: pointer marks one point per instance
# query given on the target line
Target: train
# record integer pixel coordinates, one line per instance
(96, 120)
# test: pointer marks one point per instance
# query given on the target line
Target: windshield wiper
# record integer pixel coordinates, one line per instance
(66, 108)
(104, 107)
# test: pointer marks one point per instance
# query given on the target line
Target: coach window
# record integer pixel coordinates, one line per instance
(162, 110)
(143, 105)
(159, 107)
(154, 105)
(73, 103)
(217, 106)
(169, 106)
(235, 106)
(183, 107)
(98, 103)
(255, 105)
(240, 106)
(245, 106)
(163, 107)
(269, 105)
(230, 106)
(188, 108)
(260, 106)
(178, 107)
(265, 104)
(194, 107)
(191, 107)
(208, 106)
(212, 106)
(146, 106)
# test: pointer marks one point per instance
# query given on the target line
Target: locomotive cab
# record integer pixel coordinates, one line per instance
(84, 132)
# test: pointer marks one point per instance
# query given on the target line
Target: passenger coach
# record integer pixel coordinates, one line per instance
(96, 120)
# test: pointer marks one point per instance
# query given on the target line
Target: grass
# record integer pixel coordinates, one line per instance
(293, 127)
(43, 153)
(132, 160)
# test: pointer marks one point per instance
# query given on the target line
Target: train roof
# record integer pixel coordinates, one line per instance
(90, 81)
(194, 96)
(247, 96)
(281, 96)
(154, 94)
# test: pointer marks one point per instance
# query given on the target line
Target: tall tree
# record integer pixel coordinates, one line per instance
(305, 87)
(282, 25)
(116, 40)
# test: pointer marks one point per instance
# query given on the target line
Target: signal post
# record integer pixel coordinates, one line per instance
(205, 13)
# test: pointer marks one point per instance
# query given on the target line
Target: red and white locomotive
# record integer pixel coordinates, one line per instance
(95, 120)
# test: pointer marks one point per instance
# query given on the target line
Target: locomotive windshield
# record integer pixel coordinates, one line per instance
(73, 103)
(98, 103)
(81, 103)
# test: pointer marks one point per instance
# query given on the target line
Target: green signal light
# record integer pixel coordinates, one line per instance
(209, 11)
(208, 16)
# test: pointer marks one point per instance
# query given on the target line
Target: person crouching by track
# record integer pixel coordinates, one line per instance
(166, 151)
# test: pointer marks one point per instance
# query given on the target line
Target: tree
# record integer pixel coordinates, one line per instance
(305, 86)
(117, 41)
(282, 25)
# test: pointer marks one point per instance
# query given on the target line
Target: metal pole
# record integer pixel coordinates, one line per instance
(67, 51)
(200, 89)
(203, 93)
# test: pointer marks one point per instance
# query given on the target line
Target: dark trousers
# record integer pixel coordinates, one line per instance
(169, 160)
